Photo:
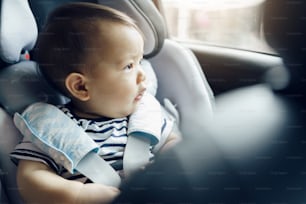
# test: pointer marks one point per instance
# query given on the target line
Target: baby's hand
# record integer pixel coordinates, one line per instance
(97, 193)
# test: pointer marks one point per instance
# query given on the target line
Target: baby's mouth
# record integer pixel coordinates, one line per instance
(140, 95)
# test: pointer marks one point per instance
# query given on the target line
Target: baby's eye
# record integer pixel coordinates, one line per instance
(129, 66)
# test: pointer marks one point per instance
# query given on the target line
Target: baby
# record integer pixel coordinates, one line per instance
(93, 55)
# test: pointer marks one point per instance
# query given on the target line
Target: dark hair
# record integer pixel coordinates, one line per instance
(69, 33)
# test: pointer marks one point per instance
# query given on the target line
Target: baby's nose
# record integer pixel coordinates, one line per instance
(141, 75)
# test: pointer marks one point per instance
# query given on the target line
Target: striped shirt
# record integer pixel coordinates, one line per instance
(108, 133)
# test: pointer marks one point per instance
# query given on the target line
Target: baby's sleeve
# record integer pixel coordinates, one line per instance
(26, 150)
(170, 124)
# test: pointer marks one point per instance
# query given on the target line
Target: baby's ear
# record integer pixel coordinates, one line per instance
(76, 85)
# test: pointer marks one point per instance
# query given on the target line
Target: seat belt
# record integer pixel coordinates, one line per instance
(98, 170)
(136, 154)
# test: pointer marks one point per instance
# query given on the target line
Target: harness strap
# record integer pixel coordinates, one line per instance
(98, 170)
(137, 153)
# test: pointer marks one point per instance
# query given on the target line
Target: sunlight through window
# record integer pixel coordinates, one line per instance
(229, 23)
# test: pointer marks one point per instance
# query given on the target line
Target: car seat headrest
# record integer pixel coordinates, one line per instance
(18, 29)
(147, 18)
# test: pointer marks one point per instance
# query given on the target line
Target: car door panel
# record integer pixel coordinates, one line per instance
(227, 68)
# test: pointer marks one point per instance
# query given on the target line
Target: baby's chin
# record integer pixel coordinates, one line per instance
(126, 113)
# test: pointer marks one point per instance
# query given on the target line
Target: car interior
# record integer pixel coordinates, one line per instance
(242, 129)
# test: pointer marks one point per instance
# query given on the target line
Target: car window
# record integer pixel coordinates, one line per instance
(228, 23)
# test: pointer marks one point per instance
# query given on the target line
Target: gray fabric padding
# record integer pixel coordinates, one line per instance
(22, 85)
(15, 23)
(9, 138)
(147, 18)
(181, 79)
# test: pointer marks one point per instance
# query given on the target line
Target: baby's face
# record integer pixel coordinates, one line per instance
(117, 81)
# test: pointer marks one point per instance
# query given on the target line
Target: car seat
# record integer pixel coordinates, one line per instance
(179, 75)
